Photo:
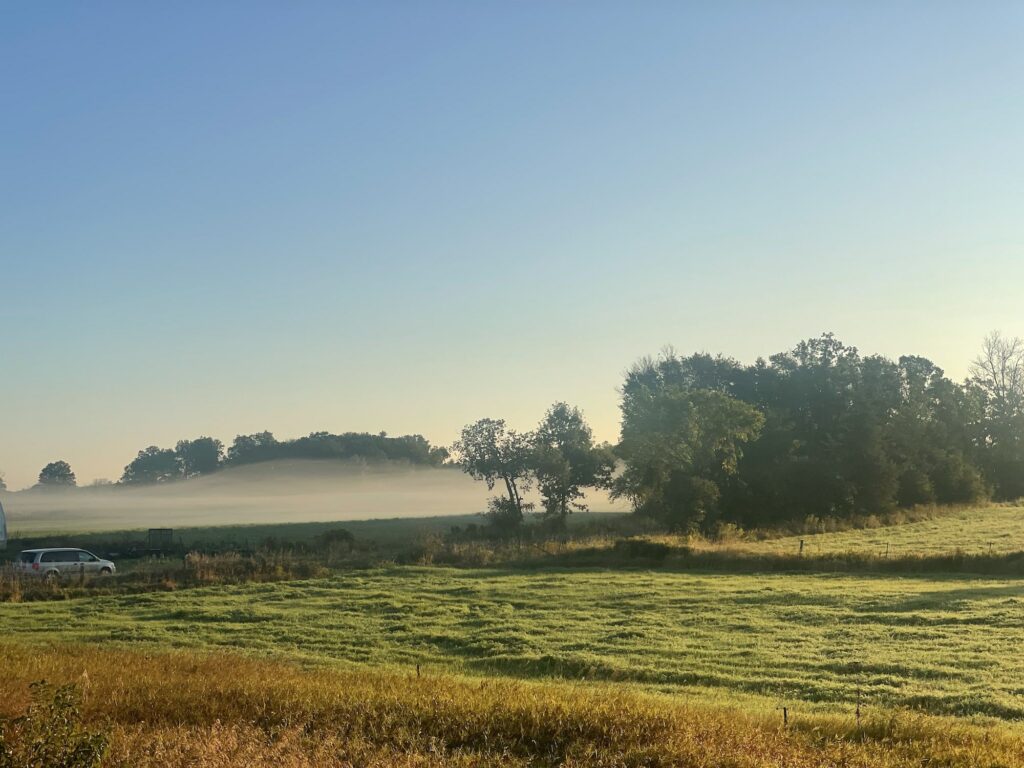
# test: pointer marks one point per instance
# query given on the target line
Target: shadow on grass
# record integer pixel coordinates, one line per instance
(1009, 565)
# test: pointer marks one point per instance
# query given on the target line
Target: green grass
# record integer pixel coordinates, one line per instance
(995, 529)
(942, 645)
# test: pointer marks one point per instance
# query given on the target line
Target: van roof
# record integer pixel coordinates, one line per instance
(50, 549)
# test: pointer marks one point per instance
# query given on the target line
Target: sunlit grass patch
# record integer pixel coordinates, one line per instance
(171, 709)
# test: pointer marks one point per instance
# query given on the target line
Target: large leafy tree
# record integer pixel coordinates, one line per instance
(566, 461)
(489, 451)
(57, 474)
(259, 446)
(153, 465)
(679, 445)
(200, 456)
(930, 436)
(823, 450)
(998, 375)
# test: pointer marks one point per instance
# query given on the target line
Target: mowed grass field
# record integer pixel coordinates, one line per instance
(811, 642)
(994, 529)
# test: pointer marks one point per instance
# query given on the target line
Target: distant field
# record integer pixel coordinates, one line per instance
(268, 494)
(942, 645)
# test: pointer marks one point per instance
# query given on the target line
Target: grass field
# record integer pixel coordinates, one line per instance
(221, 711)
(530, 664)
(997, 528)
(944, 646)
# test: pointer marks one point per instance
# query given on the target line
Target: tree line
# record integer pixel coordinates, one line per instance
(816, 431)
(206, 455)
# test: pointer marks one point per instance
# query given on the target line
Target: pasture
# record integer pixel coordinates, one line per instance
(991, 529)
(811, 642)
(686, 661)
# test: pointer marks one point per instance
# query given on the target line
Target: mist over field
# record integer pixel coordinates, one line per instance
(275, 492)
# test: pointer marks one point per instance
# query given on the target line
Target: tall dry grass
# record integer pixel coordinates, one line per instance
(213, 711)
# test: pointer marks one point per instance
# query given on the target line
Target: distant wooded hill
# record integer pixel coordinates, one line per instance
(205, 455)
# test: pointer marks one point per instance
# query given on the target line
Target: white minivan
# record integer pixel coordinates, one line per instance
(54, 563)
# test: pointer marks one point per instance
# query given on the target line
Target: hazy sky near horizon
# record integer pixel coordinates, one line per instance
(219, 218)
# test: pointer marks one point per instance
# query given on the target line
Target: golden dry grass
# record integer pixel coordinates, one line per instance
(213, 711)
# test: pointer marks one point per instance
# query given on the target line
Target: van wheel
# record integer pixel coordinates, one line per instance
(52, 577)
(104, 571)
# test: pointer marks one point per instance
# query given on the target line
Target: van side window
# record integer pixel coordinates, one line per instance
(52, 557)
(85, 557)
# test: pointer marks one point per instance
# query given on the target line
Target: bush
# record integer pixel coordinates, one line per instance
(504, 517)
(337, 538)
(915, 488)
(642, 549)
(51, 734)
(958, 482)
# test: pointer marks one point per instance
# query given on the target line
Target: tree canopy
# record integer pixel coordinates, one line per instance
(200, 456)
(678, 445)
(204, 455)
(153, 465)
(817, 431)
(487, 450)
(566, 461)
(57, 474)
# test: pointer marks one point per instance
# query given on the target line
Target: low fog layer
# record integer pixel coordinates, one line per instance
(278, 492)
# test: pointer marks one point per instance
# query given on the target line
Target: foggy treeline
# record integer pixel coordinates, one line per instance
(816, 432)
(206, 455)
(291, 490)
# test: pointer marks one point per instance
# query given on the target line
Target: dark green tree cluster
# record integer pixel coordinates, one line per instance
(262, 446)
(189, 458)
(193, 458)
(560, 457)
(57, 474)
(820, 431)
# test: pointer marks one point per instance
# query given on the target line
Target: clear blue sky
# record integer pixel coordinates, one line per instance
(223, 217)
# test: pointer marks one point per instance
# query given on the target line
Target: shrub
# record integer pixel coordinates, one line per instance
(642, 549)
(337, 538)
(51, 733)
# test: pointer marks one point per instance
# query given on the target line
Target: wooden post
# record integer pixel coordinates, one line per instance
(785, 716)
(801, 547)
